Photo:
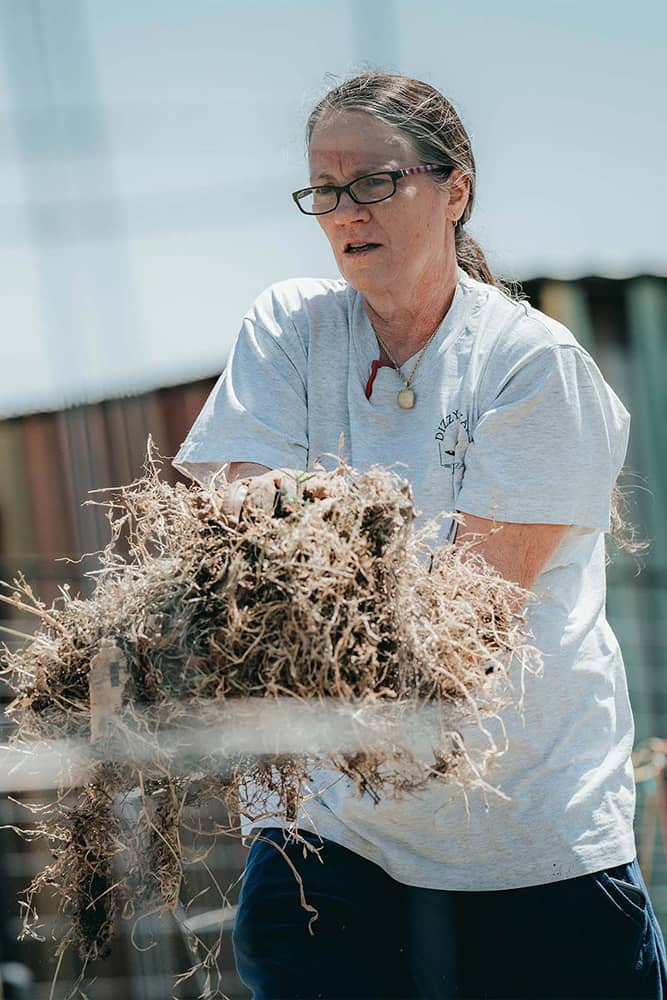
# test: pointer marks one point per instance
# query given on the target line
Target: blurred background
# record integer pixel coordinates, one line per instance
(148, 152)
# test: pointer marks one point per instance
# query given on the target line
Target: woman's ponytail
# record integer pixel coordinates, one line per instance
(470, 257)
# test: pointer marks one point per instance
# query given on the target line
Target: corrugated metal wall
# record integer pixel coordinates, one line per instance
(50, 461)
(624, 326)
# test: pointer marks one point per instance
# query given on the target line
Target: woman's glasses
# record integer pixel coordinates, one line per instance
(366, 190)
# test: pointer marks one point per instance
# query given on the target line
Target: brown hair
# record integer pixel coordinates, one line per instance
(433, 127)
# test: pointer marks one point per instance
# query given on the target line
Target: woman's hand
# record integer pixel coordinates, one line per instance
(263, 490)
(258, 491)
(254, 487)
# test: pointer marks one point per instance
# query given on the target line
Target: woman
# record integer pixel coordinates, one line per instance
(417, 356)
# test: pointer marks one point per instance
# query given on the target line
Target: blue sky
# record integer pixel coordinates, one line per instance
(149, 148)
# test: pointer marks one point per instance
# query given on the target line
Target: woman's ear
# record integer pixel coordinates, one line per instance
(459, 193)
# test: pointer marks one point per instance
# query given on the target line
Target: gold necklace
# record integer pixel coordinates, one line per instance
(406, 397)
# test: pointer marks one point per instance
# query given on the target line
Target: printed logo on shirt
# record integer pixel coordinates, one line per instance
(448, 437)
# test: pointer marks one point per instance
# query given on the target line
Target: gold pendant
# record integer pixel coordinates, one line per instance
(406, 399)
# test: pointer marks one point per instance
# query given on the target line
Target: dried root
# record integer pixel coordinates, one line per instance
(332, 597)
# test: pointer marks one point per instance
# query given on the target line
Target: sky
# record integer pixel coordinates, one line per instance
(149, 148)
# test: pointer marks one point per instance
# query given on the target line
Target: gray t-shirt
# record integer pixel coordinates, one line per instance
(512, 421)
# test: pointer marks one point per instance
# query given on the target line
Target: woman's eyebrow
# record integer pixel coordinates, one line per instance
(328, 179)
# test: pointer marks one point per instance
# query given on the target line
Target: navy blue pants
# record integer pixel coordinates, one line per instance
(590, 936)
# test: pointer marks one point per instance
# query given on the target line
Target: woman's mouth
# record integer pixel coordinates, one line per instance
(361, 248)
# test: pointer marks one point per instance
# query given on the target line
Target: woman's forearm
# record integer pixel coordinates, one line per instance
(242, 470)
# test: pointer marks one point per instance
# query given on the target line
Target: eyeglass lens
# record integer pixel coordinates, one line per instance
(365, 190)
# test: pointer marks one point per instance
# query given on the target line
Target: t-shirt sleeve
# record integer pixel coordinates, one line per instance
(257, 410)
(549, 447)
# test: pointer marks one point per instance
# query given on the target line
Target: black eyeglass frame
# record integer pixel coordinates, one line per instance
(395, 175)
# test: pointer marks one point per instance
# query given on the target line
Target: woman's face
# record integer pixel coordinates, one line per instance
(412, 232)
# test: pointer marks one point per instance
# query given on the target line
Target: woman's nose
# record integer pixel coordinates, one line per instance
(348, 210)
